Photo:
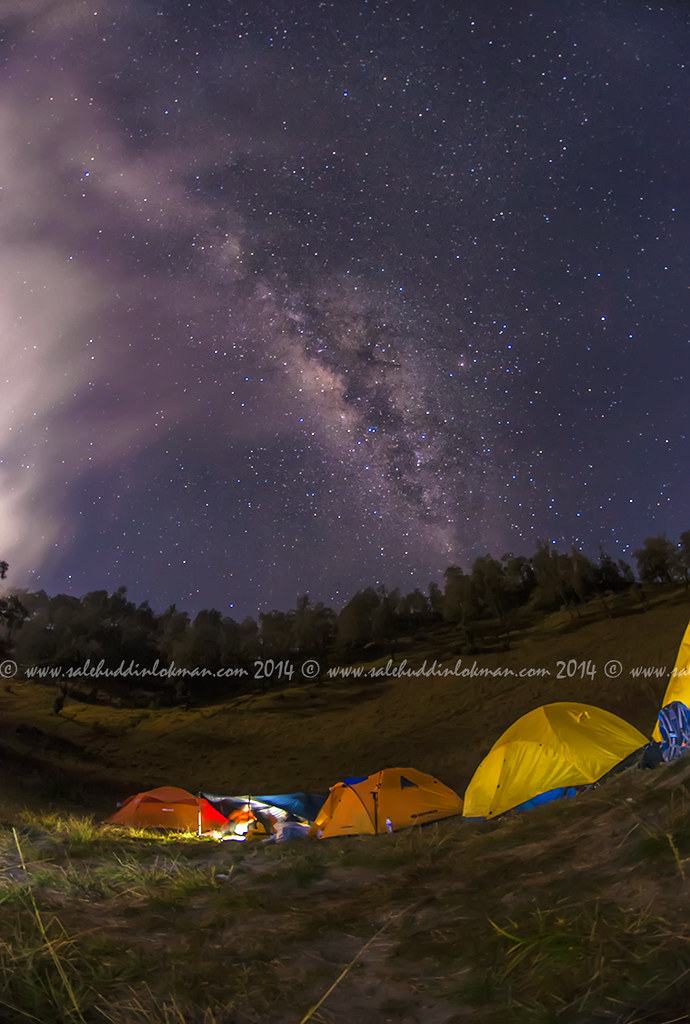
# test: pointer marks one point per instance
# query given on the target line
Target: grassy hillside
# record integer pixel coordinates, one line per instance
(575, 912)
(307, 736)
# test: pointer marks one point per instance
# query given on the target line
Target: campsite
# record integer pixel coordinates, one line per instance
(567, 912)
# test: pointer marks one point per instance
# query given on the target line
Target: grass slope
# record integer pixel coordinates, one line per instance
(575, 912)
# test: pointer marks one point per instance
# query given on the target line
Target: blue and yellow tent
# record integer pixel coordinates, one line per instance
(547, 754)
(678, 688)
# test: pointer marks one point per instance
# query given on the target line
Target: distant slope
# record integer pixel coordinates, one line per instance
(306, 737)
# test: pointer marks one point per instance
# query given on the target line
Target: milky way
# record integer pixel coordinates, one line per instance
(309, 296)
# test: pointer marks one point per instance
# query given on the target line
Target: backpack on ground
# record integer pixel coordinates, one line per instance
(674, 726)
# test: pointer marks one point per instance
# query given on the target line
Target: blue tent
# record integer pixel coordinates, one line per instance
(302, 805)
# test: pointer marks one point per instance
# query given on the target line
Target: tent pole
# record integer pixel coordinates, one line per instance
(198, 814)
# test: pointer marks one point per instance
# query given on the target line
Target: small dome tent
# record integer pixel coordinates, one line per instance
(404, 796)
(546, 754)
(678, 688)
(168, 807)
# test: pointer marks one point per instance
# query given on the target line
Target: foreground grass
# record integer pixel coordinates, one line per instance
(575, 912)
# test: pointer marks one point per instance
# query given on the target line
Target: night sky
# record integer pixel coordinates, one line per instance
(307, 296)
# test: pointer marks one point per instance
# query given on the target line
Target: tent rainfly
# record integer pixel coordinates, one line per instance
(547, 754)
(251, 817)
(168, 807)
(388, 800)
(304, 806)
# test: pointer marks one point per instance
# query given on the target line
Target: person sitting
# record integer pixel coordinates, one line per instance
(290, 828)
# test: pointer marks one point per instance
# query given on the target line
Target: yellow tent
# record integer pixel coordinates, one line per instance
(679, 684)
(545, 753)
(404, 796)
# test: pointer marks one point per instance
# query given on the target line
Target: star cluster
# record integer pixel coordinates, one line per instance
(307, 296)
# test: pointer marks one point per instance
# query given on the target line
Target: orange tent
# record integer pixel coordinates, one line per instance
(403, 796)
(168, 807)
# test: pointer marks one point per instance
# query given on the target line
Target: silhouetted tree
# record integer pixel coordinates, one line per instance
(138, 628)
(457, 596)
(200, 646)
(12, 615)
(519, 575)
(171, 628)
(314, 625)
(553, 575)
(249, 639)
(583, 578)
(35, 643)
(684, 556)
(277, 633)
(436, 600)
(231, 653)
(384, 618)
(354, 621)
(414, 611)
(658, 561)
(489, 590)
(626, 572)
(609, 575)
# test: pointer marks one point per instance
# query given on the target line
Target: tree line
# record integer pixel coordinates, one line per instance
(110, 628)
